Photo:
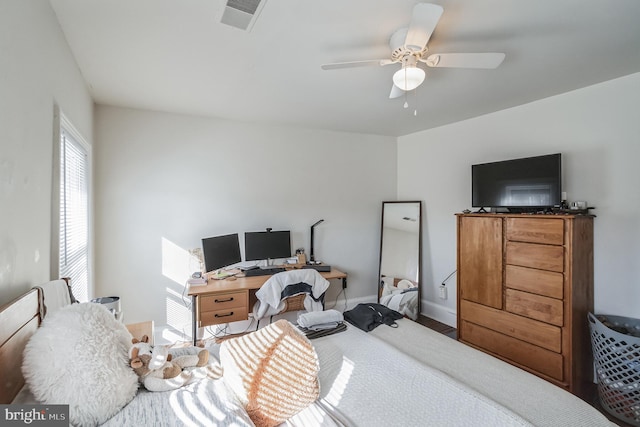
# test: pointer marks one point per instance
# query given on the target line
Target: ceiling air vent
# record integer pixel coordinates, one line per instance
(242, 13)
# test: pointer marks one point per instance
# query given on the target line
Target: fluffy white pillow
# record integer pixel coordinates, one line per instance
(79, 356)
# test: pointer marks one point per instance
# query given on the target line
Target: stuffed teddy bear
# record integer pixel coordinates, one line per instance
(191, 360)
(197, 362)
(156, 368)
(154, 371)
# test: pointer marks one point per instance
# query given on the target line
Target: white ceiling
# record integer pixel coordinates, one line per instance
(403, 216)
(176, 56)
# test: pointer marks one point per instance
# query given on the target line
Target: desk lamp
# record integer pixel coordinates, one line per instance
(312, 259)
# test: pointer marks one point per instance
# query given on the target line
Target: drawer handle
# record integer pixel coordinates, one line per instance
(224, 315)
(224, 300)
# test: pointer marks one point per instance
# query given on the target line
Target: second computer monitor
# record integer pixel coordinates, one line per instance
(221, 251)
(259, 245)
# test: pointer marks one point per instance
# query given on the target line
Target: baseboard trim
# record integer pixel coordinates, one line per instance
(351, 302)
(441, 314)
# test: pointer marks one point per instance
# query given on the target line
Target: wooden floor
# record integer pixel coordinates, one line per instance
(452, 333)
(438, 326)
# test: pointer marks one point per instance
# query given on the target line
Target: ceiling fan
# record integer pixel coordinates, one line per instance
(409, 47)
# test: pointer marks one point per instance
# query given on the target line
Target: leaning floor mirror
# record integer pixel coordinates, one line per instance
(400, 256)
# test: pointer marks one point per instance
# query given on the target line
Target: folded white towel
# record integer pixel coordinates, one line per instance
(307, 320)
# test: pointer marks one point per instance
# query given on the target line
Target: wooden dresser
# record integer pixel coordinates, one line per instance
(525, 286)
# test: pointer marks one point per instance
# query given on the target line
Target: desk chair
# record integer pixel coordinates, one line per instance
(288, 291)
(292, 303)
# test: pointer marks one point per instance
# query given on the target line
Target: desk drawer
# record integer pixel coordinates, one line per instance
(224, 301)
(223, 316)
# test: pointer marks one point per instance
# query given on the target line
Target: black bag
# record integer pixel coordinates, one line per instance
(369, 316)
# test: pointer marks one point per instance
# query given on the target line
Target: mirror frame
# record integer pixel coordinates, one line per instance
(419, 264)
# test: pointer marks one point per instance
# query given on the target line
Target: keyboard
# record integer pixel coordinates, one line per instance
(318, 267)
(263, 271)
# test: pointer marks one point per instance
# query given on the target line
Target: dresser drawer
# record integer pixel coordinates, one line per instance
(519, 352)
(541, 282)
(535, 230)
(543, 257)
(537, 307)
(523, 328)
(233, 314)
(223, 301)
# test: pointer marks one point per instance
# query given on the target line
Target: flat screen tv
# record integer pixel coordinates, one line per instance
(520, 184)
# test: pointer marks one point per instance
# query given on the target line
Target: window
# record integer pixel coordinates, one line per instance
(73, 210)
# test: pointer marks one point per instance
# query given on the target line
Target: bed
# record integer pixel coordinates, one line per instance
(365, 380)
(400, 295)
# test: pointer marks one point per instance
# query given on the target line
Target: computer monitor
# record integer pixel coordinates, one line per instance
(221, 251)
(259, 245)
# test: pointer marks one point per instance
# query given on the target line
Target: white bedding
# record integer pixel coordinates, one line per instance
(534, 399)
(402, 298)
(363, 381)
(203, 403)
(366, 381)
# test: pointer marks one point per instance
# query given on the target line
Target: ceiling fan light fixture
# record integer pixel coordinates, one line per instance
(408, 77)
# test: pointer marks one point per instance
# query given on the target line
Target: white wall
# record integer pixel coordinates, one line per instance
(399, 251)
(179, 178)
(165, 181)
(596, 129)
(37, 71)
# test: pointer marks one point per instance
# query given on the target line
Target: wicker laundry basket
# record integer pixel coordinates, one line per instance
(616, 353)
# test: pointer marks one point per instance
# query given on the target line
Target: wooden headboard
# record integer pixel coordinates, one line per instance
(19, 319)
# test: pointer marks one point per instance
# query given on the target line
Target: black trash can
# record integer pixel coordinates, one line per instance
(112, 304)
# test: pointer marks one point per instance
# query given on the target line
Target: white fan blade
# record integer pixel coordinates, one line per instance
(354, 64)
(465, 60)
(396, 92)
(423, 22)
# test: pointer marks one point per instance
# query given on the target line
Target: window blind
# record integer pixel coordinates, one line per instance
(74, 215)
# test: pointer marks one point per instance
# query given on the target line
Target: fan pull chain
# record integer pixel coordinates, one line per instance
(406, 103)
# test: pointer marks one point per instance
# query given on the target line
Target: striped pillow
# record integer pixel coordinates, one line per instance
(273, 371)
